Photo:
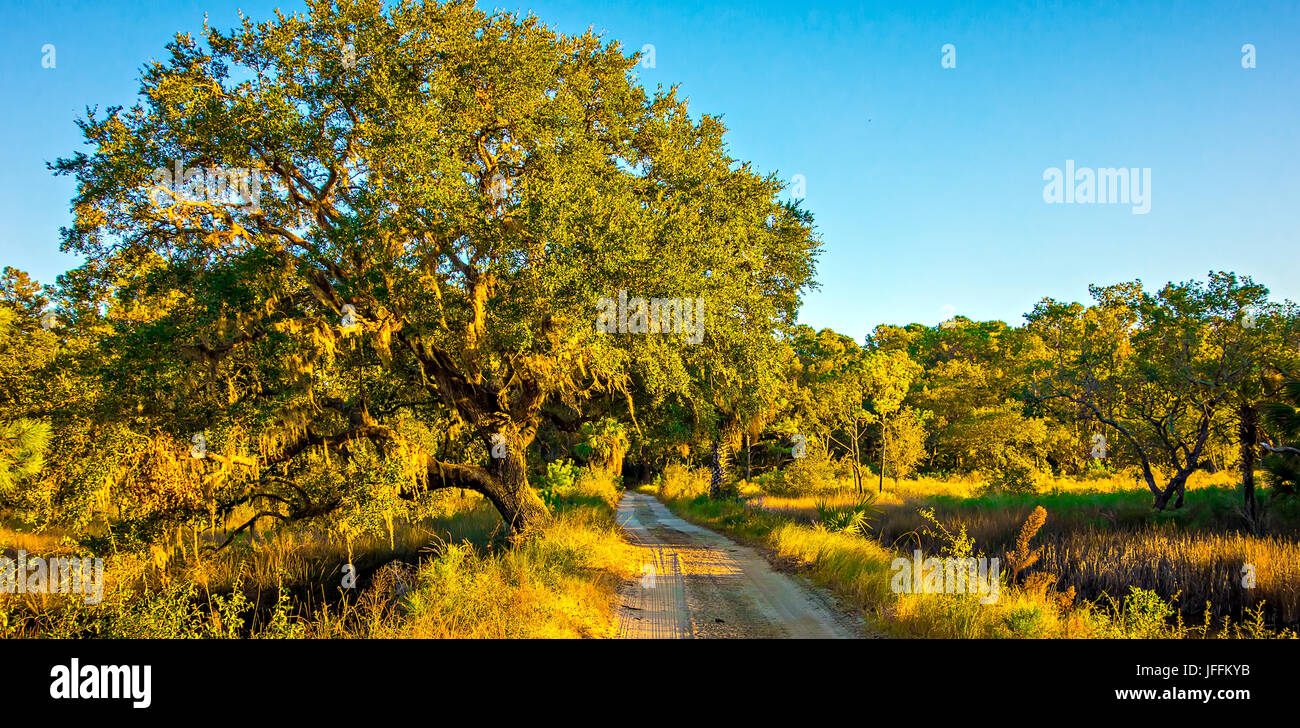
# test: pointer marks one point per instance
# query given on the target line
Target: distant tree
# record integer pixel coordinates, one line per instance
(1001, 443)
(888, 378)
(1155, 369)
(836, 393)
(1271, 333)
(26, 349)
(852, 391)
(734, 385)
(904, 443)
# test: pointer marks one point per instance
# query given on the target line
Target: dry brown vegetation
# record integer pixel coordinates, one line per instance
(1102, 539)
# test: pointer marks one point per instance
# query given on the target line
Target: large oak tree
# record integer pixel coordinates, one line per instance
(445, 195)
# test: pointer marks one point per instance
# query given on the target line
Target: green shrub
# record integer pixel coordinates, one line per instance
(806, 475)
(1011, 478)
(852, 519)
(560, 475)
(1028, 621)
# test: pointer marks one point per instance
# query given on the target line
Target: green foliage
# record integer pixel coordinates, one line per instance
(1000, 443)
(173, 610)
(1012, 477)
(560, 475)
(603, 443)
(1027, 621)
(814, 473)
(1282, 469)
(854, 519)
(1142, 614)
(23, 444)
(904, 443)
(851, 391)
(466, 192)
(1160, 369)
(558, 482)
(956, 545)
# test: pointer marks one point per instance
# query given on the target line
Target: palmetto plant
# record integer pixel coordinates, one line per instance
(1282, 460)
(604, 443)
(852, 519)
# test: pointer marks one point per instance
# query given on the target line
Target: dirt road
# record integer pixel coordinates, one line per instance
(697, 583)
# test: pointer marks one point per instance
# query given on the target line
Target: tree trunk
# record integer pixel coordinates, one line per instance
(1178, 483)
(748, 457)
(715, 485)
(1177, 486)
(515, 499)
(1248, 436)
(880, 484)
(504, 482)
(857, 465)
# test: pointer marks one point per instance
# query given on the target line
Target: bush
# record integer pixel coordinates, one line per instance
(560, 476)
(812, 474)
(566, 484)
(597, 485)
(1096, 470)
(1011, 478)
(1140, 615)
(854, 519)
(679, 481)
(1027, 620)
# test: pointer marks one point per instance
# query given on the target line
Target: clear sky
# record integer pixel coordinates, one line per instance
(926, 182)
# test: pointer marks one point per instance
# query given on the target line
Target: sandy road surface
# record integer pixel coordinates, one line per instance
(697, 583)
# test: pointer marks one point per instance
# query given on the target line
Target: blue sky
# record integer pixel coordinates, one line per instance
(926, 182)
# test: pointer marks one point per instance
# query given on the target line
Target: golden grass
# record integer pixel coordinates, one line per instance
(926, 488)
(561, 583)
(1200, 568)
(1102, 538)
(310, 557)
(859, 569)
(1120, 563)
(463, 581)
(14, 538)
(678, 481)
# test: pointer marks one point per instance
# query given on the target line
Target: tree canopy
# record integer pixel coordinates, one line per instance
(356, 250)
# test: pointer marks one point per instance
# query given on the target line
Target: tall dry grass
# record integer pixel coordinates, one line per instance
(1104, 539)
(450, 576)
(561, 583)
(1108, 566)
(1200, 568)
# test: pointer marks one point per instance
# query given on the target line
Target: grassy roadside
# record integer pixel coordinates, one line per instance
(456, 579)
(859, 570)
(1103, 542)
(560, 583)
